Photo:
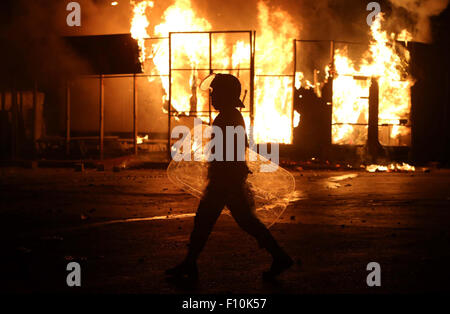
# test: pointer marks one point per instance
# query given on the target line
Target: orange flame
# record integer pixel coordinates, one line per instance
(273, 95)
(139, 24)
(350, 104)
(404, 167)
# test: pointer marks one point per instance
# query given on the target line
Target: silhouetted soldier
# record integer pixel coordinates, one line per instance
(228, 187)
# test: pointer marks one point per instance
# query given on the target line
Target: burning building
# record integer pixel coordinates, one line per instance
(298, 87)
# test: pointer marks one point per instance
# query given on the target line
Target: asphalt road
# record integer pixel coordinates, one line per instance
(126, 228)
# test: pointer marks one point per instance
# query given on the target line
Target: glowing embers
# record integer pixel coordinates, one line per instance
(394, 167)
(142, 139)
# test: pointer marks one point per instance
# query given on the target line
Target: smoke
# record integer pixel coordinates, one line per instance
(100, 18)
(38, 25)
(420, 11)
(328, 19)
(32, 31)
(33, 45)
(320, 19)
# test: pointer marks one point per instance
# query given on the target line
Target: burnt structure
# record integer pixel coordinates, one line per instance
(313, 133)
(111, 56)
(27, 95)
(428, 119)
(105, 55)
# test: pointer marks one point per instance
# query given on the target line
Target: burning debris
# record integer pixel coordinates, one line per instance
(386, 61)
(142, 139)
(393, 167)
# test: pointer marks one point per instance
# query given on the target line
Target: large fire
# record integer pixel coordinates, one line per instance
(273, 94)
(273, 56)
(273, 82)
(388, 62)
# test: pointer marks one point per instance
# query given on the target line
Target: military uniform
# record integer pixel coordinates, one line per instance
(228, 187)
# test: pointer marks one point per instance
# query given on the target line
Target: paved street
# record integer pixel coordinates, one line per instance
(125, 228)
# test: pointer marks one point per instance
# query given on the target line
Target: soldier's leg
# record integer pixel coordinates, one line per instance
(208, 212)
(242, 206)
(241, 203)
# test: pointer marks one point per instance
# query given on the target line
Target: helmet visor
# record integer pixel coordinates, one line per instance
(206, 83)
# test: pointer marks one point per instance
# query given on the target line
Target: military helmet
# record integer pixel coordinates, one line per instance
(227, 83)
